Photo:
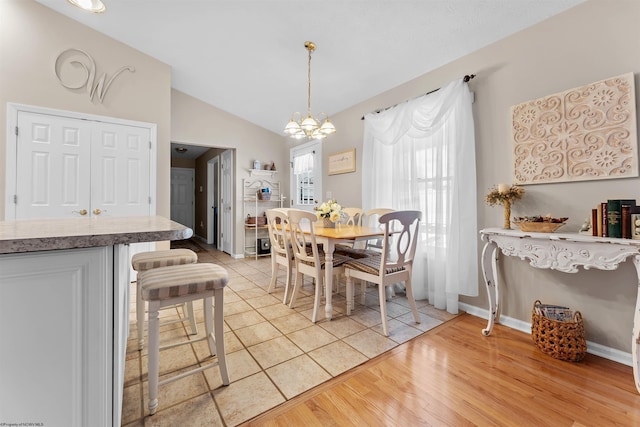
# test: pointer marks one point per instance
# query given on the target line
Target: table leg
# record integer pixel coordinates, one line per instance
(489, 272)
(328, 277)
(635, 339)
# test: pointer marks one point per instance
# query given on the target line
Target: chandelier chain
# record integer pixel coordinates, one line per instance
(309, 83)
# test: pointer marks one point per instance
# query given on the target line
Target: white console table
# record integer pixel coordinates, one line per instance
(558, 251)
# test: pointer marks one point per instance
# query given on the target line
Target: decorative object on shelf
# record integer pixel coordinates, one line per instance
(273, 166)
(264, 194)
(309, 127)
(504, 194)
(329, 213)
(256, 164)
(563, 340)
(585, 133)
(539, 223)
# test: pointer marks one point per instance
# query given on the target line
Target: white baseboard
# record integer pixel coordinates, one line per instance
(522, 326)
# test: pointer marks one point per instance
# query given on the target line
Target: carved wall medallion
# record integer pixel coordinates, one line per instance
(586, 133)
(76, 69)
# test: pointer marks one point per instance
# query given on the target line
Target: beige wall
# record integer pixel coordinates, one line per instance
(197, 123)
(31, 38)
(590, 42)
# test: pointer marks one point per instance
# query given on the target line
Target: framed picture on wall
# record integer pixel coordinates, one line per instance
(342, 162)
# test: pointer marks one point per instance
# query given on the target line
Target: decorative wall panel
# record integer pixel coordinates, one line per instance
(586, 133)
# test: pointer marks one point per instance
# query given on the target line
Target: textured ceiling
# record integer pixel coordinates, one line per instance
(248, 57)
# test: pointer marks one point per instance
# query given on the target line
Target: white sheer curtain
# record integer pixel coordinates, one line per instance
(421, 155)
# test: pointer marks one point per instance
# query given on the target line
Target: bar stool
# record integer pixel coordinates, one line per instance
(144, 261)
(166, 286)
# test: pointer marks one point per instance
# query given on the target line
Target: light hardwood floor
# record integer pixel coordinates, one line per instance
(454, 376)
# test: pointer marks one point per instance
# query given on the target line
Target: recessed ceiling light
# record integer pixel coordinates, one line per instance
(95, 6)
(181, 149)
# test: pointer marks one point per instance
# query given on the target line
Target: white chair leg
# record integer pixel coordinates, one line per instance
(316, 300)
(363, 292)
(154, 349)
(382, 296)
(140, 308)
(412, 301)
(274, 273)
(287, 288)
(192, 318)
(349, 295)
(296, 288)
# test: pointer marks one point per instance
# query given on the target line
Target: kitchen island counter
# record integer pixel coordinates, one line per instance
(64, 316)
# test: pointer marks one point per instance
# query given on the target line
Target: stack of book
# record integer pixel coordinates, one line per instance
(613, 219)
(554, 312)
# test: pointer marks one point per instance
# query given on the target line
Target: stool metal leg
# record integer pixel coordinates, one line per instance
(154, 355)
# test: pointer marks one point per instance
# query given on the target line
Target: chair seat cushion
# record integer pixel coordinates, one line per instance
(169, 282)
(370, 265)
(338, 260)
(355, 253)
(147, 260)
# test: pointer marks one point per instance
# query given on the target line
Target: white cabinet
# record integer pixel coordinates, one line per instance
(255, 204)
(58, 329)
(75, 167)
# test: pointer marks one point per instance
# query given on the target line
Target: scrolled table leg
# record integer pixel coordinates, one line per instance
(489, 272)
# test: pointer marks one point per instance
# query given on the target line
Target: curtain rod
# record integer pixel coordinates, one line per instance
(464, 79)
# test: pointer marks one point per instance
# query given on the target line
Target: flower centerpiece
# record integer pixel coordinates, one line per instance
(504, 194)
(329, 213)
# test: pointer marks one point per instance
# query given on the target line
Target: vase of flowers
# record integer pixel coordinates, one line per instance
(505, 194)
(329, 213)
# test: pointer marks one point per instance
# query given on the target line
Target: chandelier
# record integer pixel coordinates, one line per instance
(310, 127)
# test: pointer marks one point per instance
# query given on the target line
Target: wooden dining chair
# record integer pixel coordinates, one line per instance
(309, 258)
(281, 250)
(390, 266)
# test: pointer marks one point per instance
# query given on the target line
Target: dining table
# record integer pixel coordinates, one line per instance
(328, 237)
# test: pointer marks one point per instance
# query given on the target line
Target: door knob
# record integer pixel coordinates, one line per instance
(81, 212)
(97, 211)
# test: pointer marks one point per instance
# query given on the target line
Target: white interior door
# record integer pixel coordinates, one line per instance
(120, 161)
(183, 196)
(52, 167)
(67, 167)
(306, 175)
(226, 184)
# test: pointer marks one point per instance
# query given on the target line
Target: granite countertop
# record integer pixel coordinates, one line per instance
(50, 234)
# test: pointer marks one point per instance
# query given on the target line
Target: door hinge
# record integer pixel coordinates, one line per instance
(149, 199)
(16, 130)
(150, 146)
(15, 198)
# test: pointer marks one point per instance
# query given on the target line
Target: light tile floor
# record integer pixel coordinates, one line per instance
(273, 352)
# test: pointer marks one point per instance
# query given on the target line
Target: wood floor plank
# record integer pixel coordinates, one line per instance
(453, 375)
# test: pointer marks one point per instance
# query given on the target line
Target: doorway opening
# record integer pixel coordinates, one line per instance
(210, 224)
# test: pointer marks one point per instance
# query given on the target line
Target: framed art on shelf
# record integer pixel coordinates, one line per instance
(342, 162)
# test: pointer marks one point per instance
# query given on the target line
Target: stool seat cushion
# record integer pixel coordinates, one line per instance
(189, 279)
(146, 260)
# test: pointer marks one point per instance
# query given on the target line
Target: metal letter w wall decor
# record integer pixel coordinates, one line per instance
(77, 58)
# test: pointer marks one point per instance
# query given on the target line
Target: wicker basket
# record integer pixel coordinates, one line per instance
(561, 340)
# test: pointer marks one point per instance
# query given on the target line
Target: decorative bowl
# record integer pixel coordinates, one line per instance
(539, 227)
(539, 224)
